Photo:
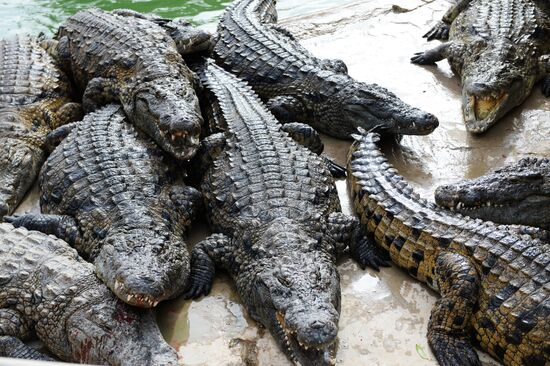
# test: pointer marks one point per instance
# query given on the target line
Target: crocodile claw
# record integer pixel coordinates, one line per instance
(201, 277)
(450, 351)
(422, 58)
(12, 220)
(439, 31)
(197, 289)
(335, 169)
(368, 254)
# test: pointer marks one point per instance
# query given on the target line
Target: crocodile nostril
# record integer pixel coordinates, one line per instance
(316, 324)
(430, 120)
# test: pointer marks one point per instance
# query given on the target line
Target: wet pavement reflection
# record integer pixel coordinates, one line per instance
(384, 314)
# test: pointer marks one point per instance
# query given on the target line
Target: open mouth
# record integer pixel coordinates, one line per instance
(316, 353)
(180, 144)
(480, 112)
(139, 300)
(485, 105)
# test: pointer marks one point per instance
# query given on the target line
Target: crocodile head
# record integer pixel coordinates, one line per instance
(494, 80)
(375, 108)
(143, 268)
(168, 112)
(188, 38)
(20, 159)
(110, 332)
(296, 295)
(516, 194)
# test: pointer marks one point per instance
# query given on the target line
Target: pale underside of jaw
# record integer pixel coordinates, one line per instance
(288, 334)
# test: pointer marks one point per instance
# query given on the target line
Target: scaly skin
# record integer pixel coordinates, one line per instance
(134, 61)
(108, 190)
(34, 99)
(499, 49)
(494, 284)
(515, 194)
(189, 39)
(299, 87)
(275, 211)
(48, 290)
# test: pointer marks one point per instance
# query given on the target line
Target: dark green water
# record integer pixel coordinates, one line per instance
(33, 16)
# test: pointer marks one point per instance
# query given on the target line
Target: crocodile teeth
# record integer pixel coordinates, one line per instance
(194, 140)
(484, 105)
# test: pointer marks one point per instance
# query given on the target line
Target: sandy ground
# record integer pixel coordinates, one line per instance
(384, 314)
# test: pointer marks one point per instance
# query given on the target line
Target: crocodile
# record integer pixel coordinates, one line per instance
(35, 97)
(515, 194)
(493, 282)
(133, 61)
(48, 290)
(189, 39)
(112, 193)
(278, 229)
(299, 87)
(499, 49)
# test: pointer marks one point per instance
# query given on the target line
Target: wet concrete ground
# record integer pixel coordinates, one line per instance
(384, 314)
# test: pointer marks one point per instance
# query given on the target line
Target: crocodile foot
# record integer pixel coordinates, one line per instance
(439, 31)
(451, 351)
(201, 277)
(336, 170)
(368, 254)
(422, 58)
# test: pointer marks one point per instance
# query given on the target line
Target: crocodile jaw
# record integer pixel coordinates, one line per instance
(300, 352)
(481, 112)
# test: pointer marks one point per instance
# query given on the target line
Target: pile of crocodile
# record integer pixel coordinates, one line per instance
(121, 114)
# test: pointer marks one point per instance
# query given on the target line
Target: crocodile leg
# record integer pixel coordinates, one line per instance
(13, 329)
(100, 91)
(62, 226)
(187, 200)
(286, 108)
(346, 231)
(209, 148)
(308, 137)
(441, 29)
(216, 250)
(70, 112)
(441, 52)
(55, 137)
(448, 329)
(304, 135)
(333, 64)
